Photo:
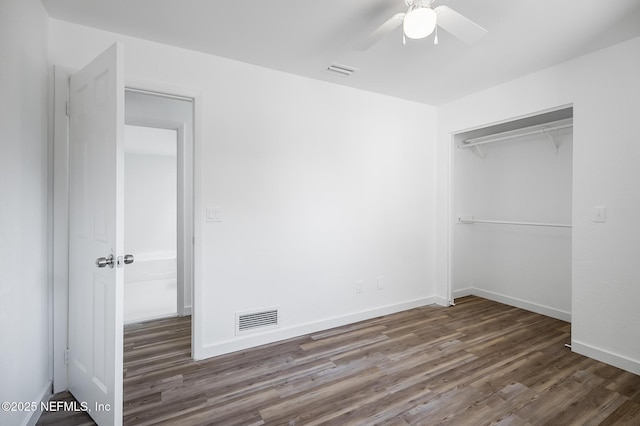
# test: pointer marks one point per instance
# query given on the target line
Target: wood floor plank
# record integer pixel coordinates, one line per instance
(627, 414)
(477, 363)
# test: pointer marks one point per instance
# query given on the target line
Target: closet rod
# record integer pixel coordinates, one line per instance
(504, 222)
(510, 135)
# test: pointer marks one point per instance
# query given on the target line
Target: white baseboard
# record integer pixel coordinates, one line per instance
(519, 303)
(149, 318)
(462, 293)
(441, 301)
(605, 356)
(44, 395)
(278, 334)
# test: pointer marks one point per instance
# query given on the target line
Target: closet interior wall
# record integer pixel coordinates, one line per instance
(520, 179)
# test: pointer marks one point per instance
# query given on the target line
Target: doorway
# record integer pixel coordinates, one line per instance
(512, 194)
(150, 108)
(158, 205)
(106, 91)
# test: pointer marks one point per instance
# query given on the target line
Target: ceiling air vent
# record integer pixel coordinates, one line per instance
(342, 70)
(256, 320)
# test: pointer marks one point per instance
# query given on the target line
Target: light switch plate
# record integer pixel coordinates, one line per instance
(599, 214)
(214, 214)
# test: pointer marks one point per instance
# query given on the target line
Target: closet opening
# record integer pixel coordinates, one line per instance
(511, 199)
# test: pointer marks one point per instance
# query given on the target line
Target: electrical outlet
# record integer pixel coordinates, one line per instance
(380, 283)
(359, 287)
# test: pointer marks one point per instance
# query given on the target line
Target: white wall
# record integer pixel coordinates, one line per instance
(320, 186)
(151, 181)
(24, 262)
(150, 190)
(523, 180)
(603, 88)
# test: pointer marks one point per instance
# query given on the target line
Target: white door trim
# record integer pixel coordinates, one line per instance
(197, 212)
(60, 227)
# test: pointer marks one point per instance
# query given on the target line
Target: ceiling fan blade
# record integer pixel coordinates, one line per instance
(458, 25)
(382, 31)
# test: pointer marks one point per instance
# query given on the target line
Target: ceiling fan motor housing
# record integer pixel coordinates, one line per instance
(420, 19)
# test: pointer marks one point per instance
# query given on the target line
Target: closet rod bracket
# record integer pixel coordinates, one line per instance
(477, 151)
(553, 136)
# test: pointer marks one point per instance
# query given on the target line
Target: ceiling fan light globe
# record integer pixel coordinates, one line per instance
(419, 22)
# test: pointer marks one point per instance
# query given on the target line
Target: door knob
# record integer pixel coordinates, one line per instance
(101, 262)
(124, 260)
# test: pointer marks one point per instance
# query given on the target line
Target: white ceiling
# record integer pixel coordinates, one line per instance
(304, 37)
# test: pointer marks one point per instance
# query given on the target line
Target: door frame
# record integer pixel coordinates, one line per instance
(60, 290)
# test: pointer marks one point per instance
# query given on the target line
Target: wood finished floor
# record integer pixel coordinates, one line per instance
(476, 363)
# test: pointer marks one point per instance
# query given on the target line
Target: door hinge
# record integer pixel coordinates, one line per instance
(66, 356)
(67, 108)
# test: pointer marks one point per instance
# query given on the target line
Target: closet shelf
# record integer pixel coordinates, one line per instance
(550, 129)
(472, 220)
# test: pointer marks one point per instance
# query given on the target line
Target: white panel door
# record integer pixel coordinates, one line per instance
(96, 216)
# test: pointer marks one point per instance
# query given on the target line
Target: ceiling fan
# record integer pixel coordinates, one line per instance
(421, 19)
